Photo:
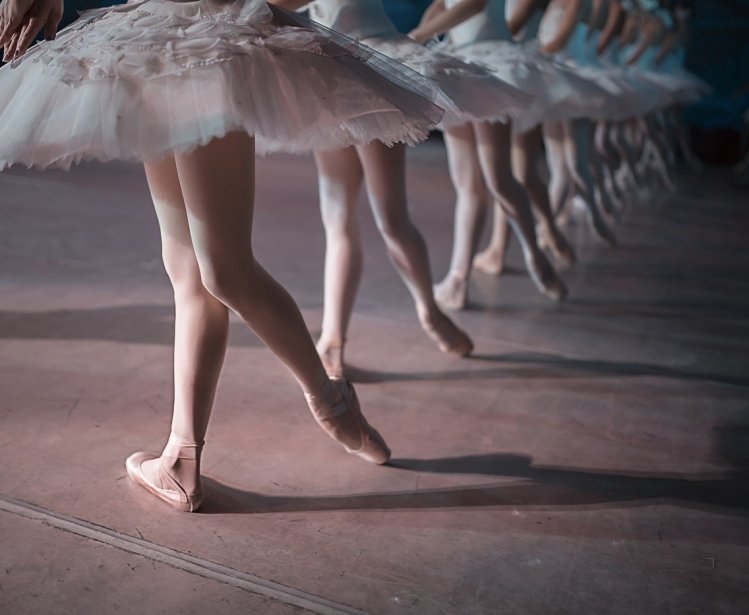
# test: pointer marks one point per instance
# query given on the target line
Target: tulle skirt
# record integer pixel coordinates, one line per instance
(139, 81)
(467, 92)
(557, 92)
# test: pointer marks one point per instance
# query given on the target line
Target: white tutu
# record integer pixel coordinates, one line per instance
(556, 92)
(468, 92)
(139, 81)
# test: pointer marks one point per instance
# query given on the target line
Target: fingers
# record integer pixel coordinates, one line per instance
(10, 47)
(53, 21)
(28, 32)
(9, 25)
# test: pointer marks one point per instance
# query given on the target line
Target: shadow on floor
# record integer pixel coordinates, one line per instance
(542, 489)
(545, 366)
(132, 324)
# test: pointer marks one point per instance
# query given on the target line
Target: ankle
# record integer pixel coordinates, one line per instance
(183, 447)
(331, 340)
(427, 313)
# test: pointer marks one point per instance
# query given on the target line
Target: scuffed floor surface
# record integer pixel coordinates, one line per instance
(592, 457)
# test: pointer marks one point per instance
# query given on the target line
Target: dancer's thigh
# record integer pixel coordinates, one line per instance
(340, 176)
(218, 182)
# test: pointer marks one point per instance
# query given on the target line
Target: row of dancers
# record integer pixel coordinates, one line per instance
(603, 99)
(193, 89)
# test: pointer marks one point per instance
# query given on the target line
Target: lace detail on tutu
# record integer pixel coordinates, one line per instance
(140, 81)
(467, 91)
(148, 39)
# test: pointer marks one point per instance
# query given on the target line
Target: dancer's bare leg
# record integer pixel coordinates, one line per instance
(470, 210)
(218, 186)
(491, 260)
(340, 179)
(493, 145)
(626, 176)
(577, 154)
(341, 174)
(526, 152)
(602, 195)
(659, 149)
(201, 326)
(385, 181)
(209, 225)
(559, 184)
(610, 160)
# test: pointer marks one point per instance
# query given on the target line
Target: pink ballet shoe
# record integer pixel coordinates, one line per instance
(155, 473)
(336, 409)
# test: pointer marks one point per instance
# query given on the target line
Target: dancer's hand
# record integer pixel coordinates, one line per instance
(440, 19)
(22, 20)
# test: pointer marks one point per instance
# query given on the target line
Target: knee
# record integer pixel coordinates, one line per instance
(226, 279)
(337, 218)
(392, 222)
(471, 188)
(503, 186)
(182, 269)
(337, 206)
(528, 176)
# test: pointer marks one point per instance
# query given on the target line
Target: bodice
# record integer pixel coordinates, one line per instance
(359, 19)
(487, 24)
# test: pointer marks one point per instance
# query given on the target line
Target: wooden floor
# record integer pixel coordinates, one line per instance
(592, 457)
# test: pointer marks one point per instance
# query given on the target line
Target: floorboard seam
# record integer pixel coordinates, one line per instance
(177, 559)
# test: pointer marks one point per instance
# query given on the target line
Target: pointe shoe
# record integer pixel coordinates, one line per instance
(331, 356)
(336, 409)
(447, 335)
(156, 477)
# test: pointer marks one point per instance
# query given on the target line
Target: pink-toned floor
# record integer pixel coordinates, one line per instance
(591, 457)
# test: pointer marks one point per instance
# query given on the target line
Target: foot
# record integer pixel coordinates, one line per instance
(173, 477)
(490, 261)
(336, 409)
(446, 334)
(331, 355)
(598, 226)
(544, 276)
(556, 244)
(451, 293)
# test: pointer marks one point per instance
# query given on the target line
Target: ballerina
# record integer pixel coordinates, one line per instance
(467, 92)
(562, 95)
(170, 84)
(479, 152)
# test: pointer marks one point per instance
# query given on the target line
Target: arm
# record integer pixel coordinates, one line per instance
(447, 19)
(667, 46)
(22, 20)
(434, 9)
(572, 12)
(524, 10)
(629, 28)
(652, 30)
(613, 27)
